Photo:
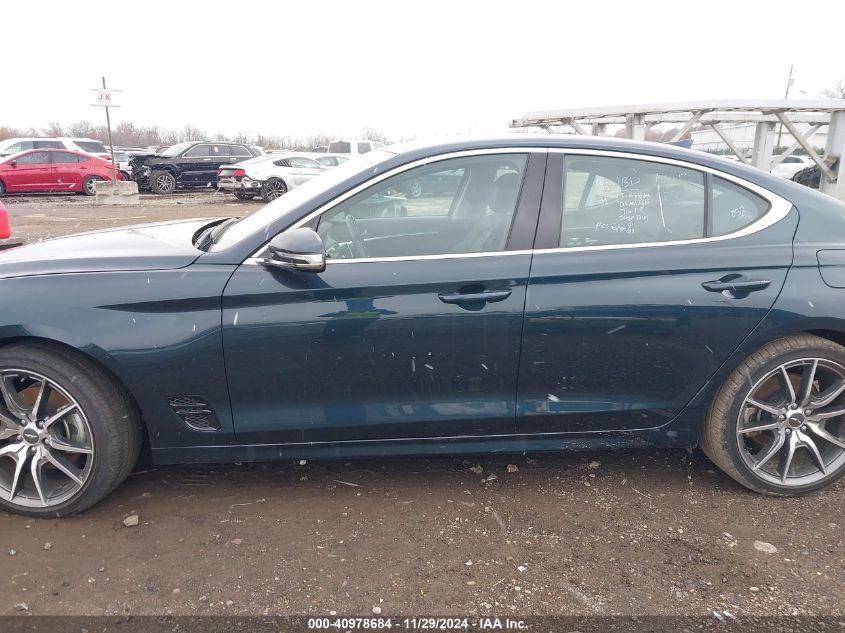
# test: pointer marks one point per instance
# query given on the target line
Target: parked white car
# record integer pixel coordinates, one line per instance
(268, 176)
(353, 146)
(791, 165)
(86, 145)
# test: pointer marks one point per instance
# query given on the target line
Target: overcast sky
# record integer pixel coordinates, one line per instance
(410, 68)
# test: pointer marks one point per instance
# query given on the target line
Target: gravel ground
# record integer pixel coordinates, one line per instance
(631, 532)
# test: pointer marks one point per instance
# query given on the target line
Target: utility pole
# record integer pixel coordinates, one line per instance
(111, 145)
(785, 97)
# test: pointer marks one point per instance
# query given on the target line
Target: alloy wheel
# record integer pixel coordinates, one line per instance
(46, 443)
(791, 425)
(165, 183)
(275, 189)
(89, 185)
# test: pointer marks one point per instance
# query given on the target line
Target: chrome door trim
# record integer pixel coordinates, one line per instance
(779, 207)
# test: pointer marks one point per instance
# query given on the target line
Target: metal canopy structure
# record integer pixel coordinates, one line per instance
(767, 114)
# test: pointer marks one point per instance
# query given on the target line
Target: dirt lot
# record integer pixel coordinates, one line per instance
(635, 532)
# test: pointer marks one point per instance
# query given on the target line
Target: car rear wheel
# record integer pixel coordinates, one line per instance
(125, 175)
(2, 189)
(162, 182)
(272, 189)
(68, 433)
(777, 425)
(88, 185)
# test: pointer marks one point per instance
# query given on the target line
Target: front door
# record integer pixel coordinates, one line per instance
(641, 289)
(31, 171)
(414, 328)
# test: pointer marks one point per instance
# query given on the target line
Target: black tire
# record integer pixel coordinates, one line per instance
(114, 421)
(162, 182)
(2, 189)
(719, 434)
(243, 196)
(88, 185)
(125, 175)
(272, 189)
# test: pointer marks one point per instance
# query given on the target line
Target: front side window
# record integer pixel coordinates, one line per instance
(200, 151)
(19, 147)
(363, 148)
(303, 162)
(340, 147)
(48, 145)
(628, 201)
(734, 207)
(34, 158)
(409, 215)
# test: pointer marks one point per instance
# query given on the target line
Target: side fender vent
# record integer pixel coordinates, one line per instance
(195, 412)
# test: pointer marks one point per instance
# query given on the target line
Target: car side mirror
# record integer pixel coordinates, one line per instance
(297, 249)
(14, 163)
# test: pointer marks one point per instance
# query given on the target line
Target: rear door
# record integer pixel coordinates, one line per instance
(67, 172)
(647, 275)
(31, 171)
(414, 328)
(195, 166)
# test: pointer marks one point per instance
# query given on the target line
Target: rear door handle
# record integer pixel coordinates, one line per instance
(735, 284)
(489, 296)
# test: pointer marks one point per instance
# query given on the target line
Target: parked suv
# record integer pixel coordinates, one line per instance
(187, 165)
(353, 146)
(86, 145)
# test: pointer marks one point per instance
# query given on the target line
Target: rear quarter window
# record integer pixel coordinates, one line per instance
(734, 207)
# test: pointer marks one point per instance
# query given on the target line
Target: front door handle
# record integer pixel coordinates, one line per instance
(488, 296)
(736, 285)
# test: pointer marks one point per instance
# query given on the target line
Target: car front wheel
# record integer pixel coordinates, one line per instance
(68, 433)
(162, 182)
(777, 425)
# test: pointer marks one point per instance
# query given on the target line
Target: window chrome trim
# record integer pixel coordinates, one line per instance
(257, 256)
(779, 207)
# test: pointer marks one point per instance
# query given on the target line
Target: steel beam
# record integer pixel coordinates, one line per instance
(796, 144)
(729, 142)
(834, 150)
(687, 126)
(635, 126)
(789, 125)
(761, 156)
(578, 129)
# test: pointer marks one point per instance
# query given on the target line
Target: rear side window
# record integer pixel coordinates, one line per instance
(734, 207)
(363, 148)
(66, 157)
(340, 147)
(627, 201)
(95, 147)
(239, 150)
(49, 145)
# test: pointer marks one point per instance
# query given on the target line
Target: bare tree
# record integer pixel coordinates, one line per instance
(837, 92)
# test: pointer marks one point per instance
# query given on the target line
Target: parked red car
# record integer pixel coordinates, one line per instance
(52, 170)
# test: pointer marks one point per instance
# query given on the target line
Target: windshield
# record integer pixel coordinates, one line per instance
(174, 150)
(295, 197)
